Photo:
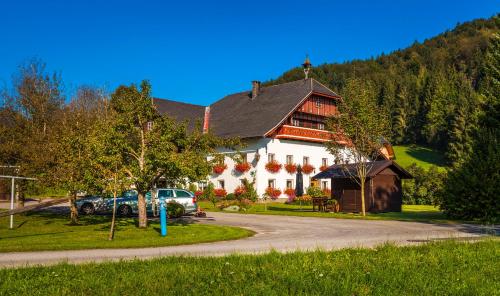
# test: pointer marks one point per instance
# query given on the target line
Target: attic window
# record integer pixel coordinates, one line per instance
(318, 103)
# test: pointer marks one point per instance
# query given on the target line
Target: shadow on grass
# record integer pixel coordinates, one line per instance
(36, 234)
(280, 209)
(426, 155)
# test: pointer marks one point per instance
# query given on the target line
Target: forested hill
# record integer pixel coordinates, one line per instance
(433, 91)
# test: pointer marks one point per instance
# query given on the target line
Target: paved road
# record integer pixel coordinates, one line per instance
(280, 233)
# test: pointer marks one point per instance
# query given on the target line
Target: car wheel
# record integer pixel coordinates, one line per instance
(87, 209)
(125, 211)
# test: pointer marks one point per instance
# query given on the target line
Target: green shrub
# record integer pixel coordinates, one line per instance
(250, 192)
(314, 191)
(424, 187)
(230, 196)
(174, 209)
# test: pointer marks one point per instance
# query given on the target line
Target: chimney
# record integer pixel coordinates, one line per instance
(255, 88)
(206, 120)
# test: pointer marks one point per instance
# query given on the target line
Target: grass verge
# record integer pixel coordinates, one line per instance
(444, 268)
(419, 213)
(44, 231)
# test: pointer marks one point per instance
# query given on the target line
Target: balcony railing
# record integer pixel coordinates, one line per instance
(304, 134)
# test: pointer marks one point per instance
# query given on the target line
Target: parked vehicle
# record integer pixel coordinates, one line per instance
(127, 203)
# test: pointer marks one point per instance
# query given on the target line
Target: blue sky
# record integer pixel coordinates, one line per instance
(200, 51)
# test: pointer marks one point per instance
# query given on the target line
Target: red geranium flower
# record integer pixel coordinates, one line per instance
(197, 193)
(219, 168)
(220, 192)
(273, 166)
(239, 190)
(242, 167)
(290, 192)
(273, 193)
(323, 168)
(307, 169)
(291, 168)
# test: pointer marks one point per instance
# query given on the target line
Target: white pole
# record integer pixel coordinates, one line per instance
(12, 204)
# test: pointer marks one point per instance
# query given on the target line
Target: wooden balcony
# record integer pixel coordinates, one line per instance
(304, 134)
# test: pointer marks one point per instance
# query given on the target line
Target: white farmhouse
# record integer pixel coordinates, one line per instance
(282, 124)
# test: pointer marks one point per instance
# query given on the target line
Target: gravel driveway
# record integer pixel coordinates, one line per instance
(281, 233)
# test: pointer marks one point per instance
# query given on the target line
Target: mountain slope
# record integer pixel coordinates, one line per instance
(432, 91)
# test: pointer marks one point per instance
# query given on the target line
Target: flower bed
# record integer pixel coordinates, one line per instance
(307, 169)
(242, 167)
(291, 168)
(273, 167)
(220, 192)
(273, 193)
(239, 191)
(219, 168)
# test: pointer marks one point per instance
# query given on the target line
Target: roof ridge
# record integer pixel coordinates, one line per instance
(179, 102)
(325, 86)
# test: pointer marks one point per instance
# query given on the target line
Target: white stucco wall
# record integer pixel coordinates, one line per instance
(281, 148)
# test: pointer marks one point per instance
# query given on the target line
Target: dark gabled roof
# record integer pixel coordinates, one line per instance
(238, 115)
(180, 111)
(338, 171)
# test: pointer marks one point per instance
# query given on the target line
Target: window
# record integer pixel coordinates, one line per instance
(324, 161)
(165, 193)
(202, 185)
(221, 184)
(305, 160)
(289, 184)
(242, 182)
(149, 126)
(295, 122)
(321, 126)
(271, 183)
(244, 157)
(289, 159)
(182, 193)
(318, 103)
(324, 185)
(270, 157)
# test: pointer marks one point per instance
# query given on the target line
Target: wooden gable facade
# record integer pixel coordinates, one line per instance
(308, 121)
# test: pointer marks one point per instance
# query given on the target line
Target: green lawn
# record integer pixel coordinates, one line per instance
(422, 156)
(440, 268)
(45, 231)
(422, 213)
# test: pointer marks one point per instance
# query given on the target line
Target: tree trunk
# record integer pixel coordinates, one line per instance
(74, 210)
(20, 198)
(141, 204)
(363, 211)
(113, 219)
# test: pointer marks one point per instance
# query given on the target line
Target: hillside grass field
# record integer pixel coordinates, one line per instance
(437, 268)
(422, 156)
(46, 231)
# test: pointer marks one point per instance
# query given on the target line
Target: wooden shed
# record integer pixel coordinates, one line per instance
(383, 190)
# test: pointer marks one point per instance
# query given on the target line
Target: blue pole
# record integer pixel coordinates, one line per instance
(163, 219)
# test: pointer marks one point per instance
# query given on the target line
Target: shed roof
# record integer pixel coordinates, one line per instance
(238, 115)
(339, 171)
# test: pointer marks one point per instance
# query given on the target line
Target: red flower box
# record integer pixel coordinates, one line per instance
(273, 167)
(197, 193)
(291, 168)
(290, 192)
(273, 193)
(242, 167)
(219, 168)
(323, 168)
(239, 190)
(220, 192)
(307, 169)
